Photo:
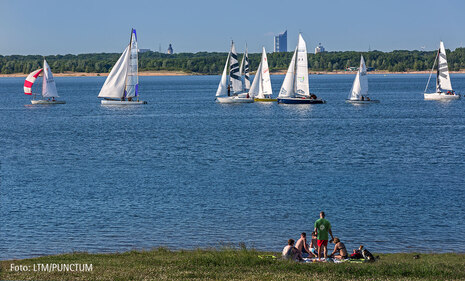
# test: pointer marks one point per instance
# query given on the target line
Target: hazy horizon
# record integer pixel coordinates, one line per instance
(53, 27)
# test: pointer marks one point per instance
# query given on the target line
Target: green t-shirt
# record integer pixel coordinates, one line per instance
(322, 226)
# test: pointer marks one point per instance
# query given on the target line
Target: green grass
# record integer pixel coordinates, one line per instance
(237, 264)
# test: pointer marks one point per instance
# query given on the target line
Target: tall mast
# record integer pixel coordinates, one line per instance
(431, 73)
(437, 74)
(230, 51)
(295, 64)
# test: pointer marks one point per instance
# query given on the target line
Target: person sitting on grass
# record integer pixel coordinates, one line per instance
(302, 245)
(340, 251)
(314, 245)
(290, 252)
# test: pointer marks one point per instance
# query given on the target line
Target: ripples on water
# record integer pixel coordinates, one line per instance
(185, 172)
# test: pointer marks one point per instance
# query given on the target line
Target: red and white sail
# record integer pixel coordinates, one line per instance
(30, 79)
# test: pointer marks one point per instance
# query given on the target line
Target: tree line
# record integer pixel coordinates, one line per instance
(213, 63)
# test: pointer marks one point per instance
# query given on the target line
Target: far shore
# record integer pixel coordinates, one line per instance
(181, 73)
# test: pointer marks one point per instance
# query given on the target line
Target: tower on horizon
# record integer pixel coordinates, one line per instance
(280, 42)
(319, 49)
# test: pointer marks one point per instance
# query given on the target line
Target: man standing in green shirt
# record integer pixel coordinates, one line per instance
(322, 228)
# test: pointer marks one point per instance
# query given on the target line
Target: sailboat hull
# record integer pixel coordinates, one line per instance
(125, 102)
(264, 100)
(441, 96)
(234, 99)
(362, 101)
(48, 102)
(300, 101)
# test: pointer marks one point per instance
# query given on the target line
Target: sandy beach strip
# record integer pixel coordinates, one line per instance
(181, 73)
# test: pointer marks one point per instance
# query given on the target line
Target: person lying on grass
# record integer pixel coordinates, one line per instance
(290, 252)
(340, 251)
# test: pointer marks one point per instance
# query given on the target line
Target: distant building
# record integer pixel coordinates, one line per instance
(144, 51)
(170, 50)
(352, 68)
(319, 49)
(280, 42)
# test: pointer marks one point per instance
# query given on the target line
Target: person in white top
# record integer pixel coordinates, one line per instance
(290, 252)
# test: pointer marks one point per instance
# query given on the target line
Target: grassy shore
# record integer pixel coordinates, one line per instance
(234, 264)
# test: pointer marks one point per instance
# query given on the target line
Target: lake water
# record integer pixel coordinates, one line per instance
(186, 172)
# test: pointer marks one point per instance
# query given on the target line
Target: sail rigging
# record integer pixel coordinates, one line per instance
(234, 75)
(49, 89)
(132, 84)
(223, 86)
(117, 84)
(360, 85)
(443, 78)
(287, 89)
(261, 86)
(244, 70)
(30, 79)
(301, 74)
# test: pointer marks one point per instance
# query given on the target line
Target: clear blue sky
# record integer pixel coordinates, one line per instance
(48, 27)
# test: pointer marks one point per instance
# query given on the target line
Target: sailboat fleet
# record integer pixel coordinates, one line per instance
(122, 84)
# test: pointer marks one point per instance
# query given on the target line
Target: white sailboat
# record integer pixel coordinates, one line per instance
(49, 89)
(295, 89)
(261, 86)
(122, 84)
(359, 92)
(444, 89)
(233, 82)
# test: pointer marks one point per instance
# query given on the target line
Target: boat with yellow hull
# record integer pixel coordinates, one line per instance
(264, 100)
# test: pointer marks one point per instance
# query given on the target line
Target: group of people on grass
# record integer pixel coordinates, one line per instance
(318, 244)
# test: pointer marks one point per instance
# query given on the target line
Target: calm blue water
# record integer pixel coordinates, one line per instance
(186, 172)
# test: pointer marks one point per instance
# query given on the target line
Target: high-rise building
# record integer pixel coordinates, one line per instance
(280, 42)
(319, 49)
(170, 50)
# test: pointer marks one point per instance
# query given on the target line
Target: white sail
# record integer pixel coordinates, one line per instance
(132, 83)
(265, 79)
(360, 86)
(254, 89)
(301, 77)
(244, 70)
(363, 77)
(287, 89)
(115, 84)
(223, 86)
(443, 78)
(234, 75)
(49, 88)
(355, 93)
